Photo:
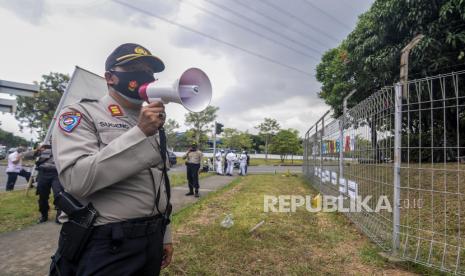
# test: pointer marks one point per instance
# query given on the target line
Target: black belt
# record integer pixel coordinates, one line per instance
(132, 228)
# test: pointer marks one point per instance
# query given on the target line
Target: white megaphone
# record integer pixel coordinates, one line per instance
(193, 90)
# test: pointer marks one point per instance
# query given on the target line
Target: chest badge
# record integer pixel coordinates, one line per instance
(115, 110)
(69, 121)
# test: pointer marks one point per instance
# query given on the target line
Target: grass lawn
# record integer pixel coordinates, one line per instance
(274, 162)
(18, 210)
(299, 243)
(27, 163)
(431, 197)
(261, 162)
(180, 178)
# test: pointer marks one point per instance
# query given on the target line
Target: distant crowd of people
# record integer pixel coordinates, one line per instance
(226, 160)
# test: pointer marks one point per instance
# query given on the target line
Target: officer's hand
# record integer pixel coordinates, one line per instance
(167, 255)
(149, 118)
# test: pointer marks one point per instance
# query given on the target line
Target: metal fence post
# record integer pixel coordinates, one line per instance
(305, 161)
(321, 146)
(397, 164)
(341, 134)
(341, 148)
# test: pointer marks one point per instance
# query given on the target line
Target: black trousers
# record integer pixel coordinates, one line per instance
(46, 181)
(116, 249)
(13, 176)
(193, 176)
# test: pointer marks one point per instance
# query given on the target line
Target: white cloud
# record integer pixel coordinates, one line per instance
(56, 36)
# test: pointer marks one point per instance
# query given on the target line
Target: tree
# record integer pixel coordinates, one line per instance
(235, 139)
(182, 142)
(368, 59)
(37, 112)
(257, 142)
(9, 140)
(267, 129)
(199, 121)
(170, 126)
(191, 137)
(286, 142)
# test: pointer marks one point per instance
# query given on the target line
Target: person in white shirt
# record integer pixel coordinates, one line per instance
(218, 162)
(15, 168)
(243, 163)
(230, 158)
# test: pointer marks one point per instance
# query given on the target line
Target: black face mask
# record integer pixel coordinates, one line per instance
(129, 82)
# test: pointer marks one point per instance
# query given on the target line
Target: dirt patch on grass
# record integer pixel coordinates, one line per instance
(205, 214)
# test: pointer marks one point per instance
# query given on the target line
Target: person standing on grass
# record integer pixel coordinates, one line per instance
(225, 163)
(218, 162)
(47, 179)
(243, 163)
(193, 159)
(110, 154)
(248, 161)
(15, 168)
(230, 158)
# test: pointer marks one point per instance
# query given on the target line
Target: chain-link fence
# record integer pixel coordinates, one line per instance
(406, 145)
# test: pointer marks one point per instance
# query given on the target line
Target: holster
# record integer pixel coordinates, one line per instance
(75, 233)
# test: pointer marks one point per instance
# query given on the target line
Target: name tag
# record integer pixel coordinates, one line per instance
(113, 125)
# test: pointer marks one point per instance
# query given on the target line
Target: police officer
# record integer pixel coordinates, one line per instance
(111, 153)
(47, 179)
(193, 160)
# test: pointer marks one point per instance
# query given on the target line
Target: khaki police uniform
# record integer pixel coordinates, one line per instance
(193, 160)
(106, 159)
(193, 157)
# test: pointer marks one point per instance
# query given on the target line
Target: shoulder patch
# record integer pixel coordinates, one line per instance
(115, 110)
(69, 121)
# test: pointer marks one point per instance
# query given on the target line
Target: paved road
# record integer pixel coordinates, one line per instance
(20, 183)
(254, 169)
(27, 252)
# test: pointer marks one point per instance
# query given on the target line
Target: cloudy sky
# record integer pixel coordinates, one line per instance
(260, 55)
